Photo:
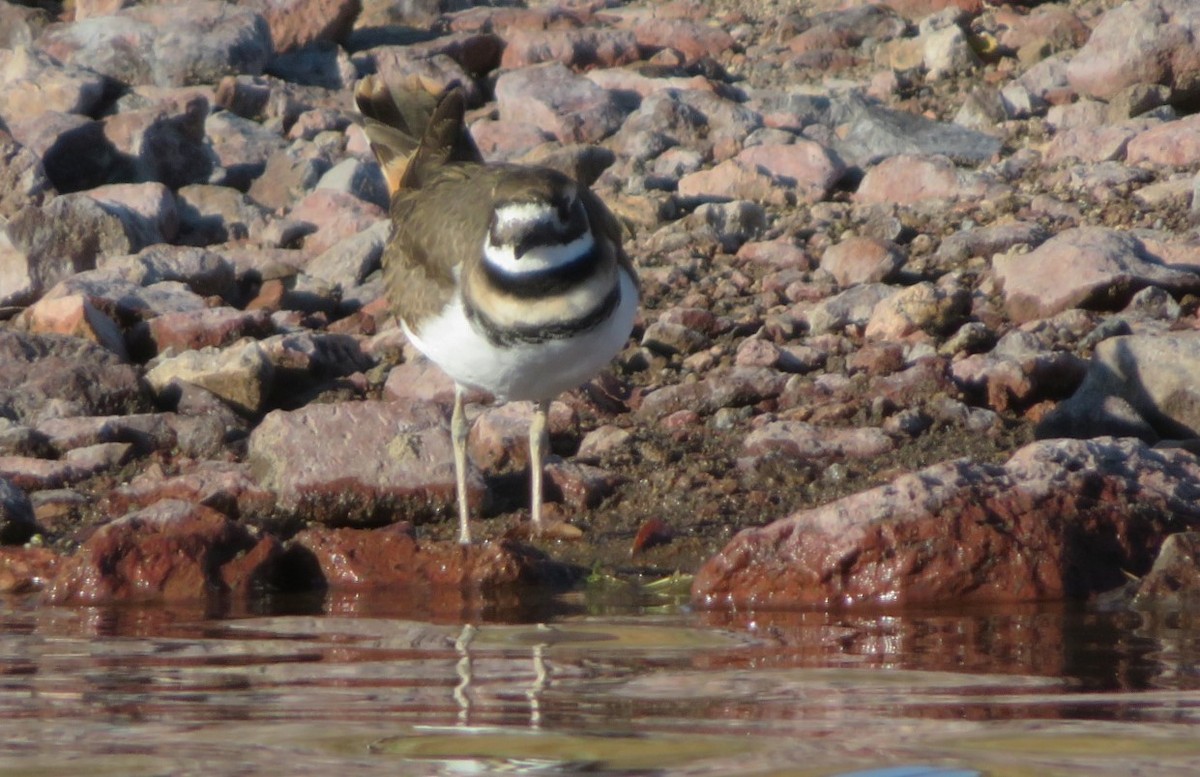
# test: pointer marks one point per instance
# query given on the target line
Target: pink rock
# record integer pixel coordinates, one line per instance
(500, 140)
(805, 165)
(193, 329)
(64, 142)
(34, 474)
(1057, 25)
(298, 23)
(163, 144)
(431, 71)
(23, 180)
(74, 316)
(1173, 143)
(909, 178)
(366, 462)
(575, 48)
(624, 79)
(775, 253)
(499, 436)
(694, 40)
(565, 105)
(335, 216)
(862, 260)
(1090, 144)
(922, 308)
(172, 551)
(579, 486)
(1062, 518)
(1140, 42)
(734, 180)
(33, 83)
(603, 441)
(798, 440)
(152, 202)
(1082, 267)
(721, 388)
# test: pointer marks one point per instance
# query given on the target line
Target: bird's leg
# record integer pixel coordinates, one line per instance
(539, 440)
(458, 436)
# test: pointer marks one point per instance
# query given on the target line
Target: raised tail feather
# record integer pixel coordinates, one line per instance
(412, 131)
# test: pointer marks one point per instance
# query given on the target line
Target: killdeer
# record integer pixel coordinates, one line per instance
(511, 278)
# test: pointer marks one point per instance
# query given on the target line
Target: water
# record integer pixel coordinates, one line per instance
(593, 684)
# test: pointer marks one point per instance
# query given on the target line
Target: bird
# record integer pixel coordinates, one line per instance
(511, 278)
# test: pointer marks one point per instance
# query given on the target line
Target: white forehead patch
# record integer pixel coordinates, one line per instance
(538, 258)
(525, 212)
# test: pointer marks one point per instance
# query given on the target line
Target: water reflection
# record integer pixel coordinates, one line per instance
(396, 683)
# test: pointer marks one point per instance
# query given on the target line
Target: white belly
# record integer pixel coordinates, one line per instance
(524, 371)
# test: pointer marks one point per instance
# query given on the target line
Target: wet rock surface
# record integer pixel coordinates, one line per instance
(882, 249)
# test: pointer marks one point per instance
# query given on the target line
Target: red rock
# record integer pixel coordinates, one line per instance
(579, 486)
(500, 435)
(1090, 144)
(335, 216)
(1059, 519)
(194, 329)
(651, 533)
(506, 139)
(34, 474)
(394, 559)
(25, 569)
(170, 551)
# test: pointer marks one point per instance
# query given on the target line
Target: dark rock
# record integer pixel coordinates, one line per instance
(17, 523)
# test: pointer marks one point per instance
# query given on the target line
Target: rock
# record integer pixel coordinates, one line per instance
(568, 107)
(365, 462)
(603, 441)
(578, 48)
(781, 174)
(731, 223)
(391, 558)
(26, 569)
(170, 551)
(945, 50)
(295, 24)
(23, 179)
(189, 330)
(1141, 42)
(862, 260)
(668, 338)
(360, 179)
(196, 43)
(241, 148)
(74, 316)
(17, 523)
(1089, 267)
(34, 83)
(907, 179)
(1154, 376)
(240, 375)
(693, 39)
(68, 234)
(148, 208)
(693, 118)
(1174, 580)
(210, 215)
(165, 144)
(796, 440)
(986, 241)
(1060, 519)
(1172, 143)
(333, 217)
(867, 134)
(852, 307)
(499, 436)
(734, 387)
(920, 308)
(224, 486)
(54, 376)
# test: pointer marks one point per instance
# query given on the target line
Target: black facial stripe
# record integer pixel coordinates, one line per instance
(532, 334)
(546, 283)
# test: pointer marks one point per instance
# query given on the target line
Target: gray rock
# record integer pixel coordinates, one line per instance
(851, 307)
(568, 106)
(241, 148)
(1155, 379)
(175, 45)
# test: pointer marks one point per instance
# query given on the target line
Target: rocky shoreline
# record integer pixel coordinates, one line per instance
(920, 292)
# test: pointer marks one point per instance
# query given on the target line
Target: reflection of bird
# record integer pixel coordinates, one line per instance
(511, 278)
